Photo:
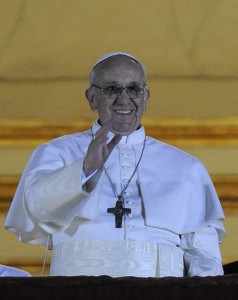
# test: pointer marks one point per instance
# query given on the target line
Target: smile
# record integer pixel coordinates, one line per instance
(123, 111)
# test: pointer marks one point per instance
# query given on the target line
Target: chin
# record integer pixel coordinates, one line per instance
(124, 127)
(120, 131)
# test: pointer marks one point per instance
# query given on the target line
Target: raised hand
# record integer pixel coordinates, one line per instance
(99, 150)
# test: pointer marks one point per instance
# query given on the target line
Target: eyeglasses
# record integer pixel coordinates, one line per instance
(114, 91)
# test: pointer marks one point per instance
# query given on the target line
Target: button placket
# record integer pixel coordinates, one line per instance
(126, 156)
(126, 163)
(127, 166)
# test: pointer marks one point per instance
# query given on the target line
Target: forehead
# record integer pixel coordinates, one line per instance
(119, 68)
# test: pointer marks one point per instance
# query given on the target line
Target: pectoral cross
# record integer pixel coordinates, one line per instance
(119, 211)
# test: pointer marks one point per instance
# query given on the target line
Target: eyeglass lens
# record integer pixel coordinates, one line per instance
(115, 91)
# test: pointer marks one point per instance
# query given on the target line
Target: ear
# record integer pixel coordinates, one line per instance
(146, 98)
(90, 97)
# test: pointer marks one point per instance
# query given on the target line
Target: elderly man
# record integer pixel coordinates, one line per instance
(113, 201)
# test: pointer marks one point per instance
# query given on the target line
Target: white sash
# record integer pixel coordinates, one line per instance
(116, 259)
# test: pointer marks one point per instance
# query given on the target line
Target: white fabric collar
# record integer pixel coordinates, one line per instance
(136, 137)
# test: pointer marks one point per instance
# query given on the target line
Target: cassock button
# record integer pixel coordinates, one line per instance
(126, 167)
(130, 226)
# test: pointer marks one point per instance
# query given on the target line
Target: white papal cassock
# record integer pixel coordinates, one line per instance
(176, 219)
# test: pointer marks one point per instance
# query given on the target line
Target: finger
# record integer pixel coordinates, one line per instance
(103, 131)
(114, 141)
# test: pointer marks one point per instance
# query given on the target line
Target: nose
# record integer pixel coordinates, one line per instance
(123, 96)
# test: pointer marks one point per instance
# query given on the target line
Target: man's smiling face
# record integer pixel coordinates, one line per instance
(125, 112)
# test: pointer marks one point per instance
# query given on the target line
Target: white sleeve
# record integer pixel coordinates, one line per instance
(55, 198)
(202, 252)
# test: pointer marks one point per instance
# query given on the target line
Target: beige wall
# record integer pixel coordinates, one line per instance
(190, 50)
(189, 47)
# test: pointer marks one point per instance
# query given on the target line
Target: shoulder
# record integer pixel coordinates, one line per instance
(166, 156)
(66, 148)
(73, 140)
(162, 148)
